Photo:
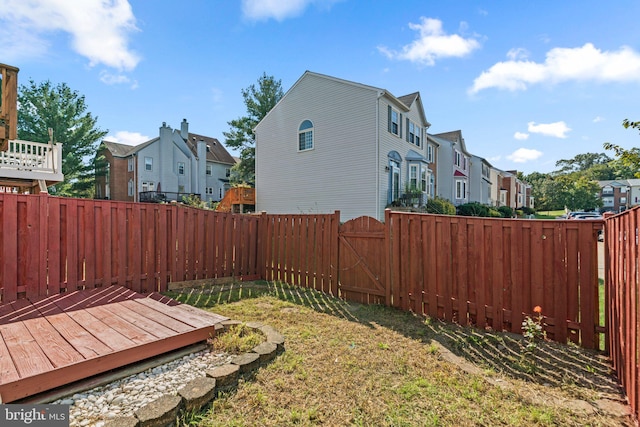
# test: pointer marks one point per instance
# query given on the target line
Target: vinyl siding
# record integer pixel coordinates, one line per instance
(339, 172)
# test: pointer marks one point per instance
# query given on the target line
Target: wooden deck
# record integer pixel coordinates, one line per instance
(68, 337)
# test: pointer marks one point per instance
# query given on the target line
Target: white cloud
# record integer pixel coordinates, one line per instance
(99, 29)
(433, 43)
(523, 155)
(598, 119)
(556, 129)
(518, 54)
(262, 10)
(521, 136)
(586, 63)
(129, 138)
(114, 79)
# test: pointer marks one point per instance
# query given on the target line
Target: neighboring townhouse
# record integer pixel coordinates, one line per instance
(498, 190)
(332, 144)
(620, 194)
(175, 164)
(454, 164)
(480, 183)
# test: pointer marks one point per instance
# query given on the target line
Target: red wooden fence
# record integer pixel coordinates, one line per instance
(301, 250)
(493, 272)
(485, 272)
(51, 244)
(622, 293)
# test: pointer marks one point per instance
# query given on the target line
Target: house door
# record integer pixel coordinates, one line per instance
(395, 181)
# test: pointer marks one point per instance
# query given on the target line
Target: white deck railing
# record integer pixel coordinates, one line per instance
(26, 159)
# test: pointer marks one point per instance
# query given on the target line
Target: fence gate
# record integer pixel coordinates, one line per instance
(362, 271)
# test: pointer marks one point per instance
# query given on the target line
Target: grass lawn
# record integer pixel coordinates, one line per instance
(350, 364)
(549, 214)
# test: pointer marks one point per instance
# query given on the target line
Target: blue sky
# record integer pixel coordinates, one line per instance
(528, 83)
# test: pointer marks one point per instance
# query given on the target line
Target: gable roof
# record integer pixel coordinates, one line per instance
(216, 152)
(403, 102)
(116, 149)
(454, 136)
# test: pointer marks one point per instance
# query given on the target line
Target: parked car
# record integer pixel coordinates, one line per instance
(596, 216)
(584, 215)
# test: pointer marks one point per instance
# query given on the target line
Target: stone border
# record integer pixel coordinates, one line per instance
(197, 394)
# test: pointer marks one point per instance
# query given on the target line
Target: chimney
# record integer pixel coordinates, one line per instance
(184, 129)
(165, 132)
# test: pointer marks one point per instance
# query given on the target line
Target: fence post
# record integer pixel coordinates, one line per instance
(334, 259)
(387, 256)
(261, 243)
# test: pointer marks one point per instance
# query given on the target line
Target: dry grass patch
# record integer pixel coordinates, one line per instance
(350, 364)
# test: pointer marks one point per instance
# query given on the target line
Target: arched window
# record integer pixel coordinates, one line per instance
(305, 136)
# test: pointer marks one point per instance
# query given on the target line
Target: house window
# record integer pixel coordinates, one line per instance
(395, 121)
(130, 164)
(209, 169)
(623, 200)
(423, 179)
(147, 185)
(413, 176)
(623, 189)
(458, 159)
(414, 133)
(209, 190)
(180, 168)
(607, 190)
(148, 163)
(607, 201)
(430, 153)
(461, 189)
(228, 173)
(180, 188)
(130, 188)
(305, 136)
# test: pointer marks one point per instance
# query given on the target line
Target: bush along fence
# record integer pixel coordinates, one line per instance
(621, 296)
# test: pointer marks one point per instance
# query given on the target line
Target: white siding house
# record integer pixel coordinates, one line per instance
(175, 163)
(332, 144)
(480, 183)
(454, 166)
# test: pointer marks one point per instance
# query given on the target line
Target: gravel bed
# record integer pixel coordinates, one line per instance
(123, 397)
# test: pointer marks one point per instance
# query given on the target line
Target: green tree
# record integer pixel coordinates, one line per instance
(582, 162)
(259, 100)
(45, 105)
(628, 159)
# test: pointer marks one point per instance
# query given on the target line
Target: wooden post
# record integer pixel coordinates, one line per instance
(8, 105)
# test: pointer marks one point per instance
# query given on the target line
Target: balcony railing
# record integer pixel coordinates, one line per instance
(26, 160)
(162, 196)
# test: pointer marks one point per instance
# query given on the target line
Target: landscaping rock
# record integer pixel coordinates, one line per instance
(198, 393)
(122, 422)
(229, 323)
(273, 336)
(255, 325)
(161, 412)
(613, 408)
(581, 407)
(266, 350)
(247, 362)
(226, 376)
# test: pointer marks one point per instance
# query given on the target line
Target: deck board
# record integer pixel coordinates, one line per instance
(68, 337)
